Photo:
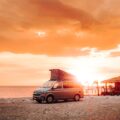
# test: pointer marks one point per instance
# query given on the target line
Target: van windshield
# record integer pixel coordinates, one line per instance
(48, 84)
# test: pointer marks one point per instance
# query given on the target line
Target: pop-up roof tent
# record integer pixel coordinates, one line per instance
(57, 74)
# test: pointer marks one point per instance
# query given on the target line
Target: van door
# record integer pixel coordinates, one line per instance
(68, 90)
(58, 90)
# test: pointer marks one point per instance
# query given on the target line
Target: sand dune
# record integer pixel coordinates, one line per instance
(89, 108)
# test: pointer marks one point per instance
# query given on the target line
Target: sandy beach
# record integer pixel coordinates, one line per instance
(89, 108)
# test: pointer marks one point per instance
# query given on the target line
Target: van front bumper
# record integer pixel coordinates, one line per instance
(39, 97)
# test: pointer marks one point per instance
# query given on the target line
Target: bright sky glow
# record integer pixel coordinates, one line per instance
(80, 36)
(41, 34)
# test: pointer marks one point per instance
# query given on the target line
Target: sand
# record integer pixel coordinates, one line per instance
(89, 108)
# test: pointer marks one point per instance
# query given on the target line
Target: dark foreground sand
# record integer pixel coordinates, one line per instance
(90, 108)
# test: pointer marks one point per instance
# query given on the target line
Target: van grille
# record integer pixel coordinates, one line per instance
(36, 94)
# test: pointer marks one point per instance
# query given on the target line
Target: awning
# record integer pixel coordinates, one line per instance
(112, 80)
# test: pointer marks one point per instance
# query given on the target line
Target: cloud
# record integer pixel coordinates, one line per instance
(97, 8)
(38, 12)
(30, 69)
(68, 26)
(115, 54)
(37, 35)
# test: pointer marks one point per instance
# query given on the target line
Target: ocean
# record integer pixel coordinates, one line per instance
(27, 91)
(16, 91)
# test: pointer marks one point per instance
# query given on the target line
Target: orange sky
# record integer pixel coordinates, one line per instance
(75, 35)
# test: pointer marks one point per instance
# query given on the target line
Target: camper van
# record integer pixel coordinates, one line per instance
(59, 88)
(52, 91)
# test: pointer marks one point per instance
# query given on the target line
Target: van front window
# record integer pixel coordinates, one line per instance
(48, 84)
(57, 85)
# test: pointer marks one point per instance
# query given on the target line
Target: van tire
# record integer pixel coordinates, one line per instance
(50, 99)
(77, 97)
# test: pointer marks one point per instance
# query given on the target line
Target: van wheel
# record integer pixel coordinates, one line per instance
(77, 97)
(50, 99)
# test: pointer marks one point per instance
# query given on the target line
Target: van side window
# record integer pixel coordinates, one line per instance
(65, 85)
(71, 85)
(68, 85)
(77, 85)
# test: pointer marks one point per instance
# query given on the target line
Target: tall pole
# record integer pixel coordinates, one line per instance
(106, 87)
(98, 88)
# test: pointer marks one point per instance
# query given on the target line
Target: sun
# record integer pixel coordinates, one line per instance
(87, 70)
(86, 76)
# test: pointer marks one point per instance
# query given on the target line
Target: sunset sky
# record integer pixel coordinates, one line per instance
(79, 36)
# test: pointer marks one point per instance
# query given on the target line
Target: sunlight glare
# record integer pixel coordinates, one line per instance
(86, 77)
